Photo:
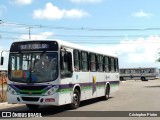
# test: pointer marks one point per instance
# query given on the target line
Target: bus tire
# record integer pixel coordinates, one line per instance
(107, 91)
(75, 100)
(121, 79)
(143, 79)
(32, 107)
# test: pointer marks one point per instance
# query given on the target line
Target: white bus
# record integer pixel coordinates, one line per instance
(139, 73)
(47, 72)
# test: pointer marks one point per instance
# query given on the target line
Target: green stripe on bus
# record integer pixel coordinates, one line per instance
(84, 88)
(114, 84)
(64, 90)
(33, 91)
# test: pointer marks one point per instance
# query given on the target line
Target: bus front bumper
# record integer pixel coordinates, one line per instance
(29, 99)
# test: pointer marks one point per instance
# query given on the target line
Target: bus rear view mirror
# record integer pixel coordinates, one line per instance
(2, 59)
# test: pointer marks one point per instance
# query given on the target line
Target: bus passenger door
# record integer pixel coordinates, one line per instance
(66, 73)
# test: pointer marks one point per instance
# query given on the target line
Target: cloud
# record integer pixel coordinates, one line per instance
(3, 9)
(141, 14)
(21, 2)
(86, 1)
(52, 12)
(140, 52)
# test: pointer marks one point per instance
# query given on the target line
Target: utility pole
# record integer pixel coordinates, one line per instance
(1, 22)
(29, 33)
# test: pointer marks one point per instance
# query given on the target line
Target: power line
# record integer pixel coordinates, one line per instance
(81, 36)
(8, 32)
(12, 38)
(79, 28)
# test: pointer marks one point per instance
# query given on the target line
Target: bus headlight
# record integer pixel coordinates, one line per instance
(11, 90)
(52, 90)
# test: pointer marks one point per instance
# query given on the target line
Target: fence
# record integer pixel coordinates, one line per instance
(3, 87)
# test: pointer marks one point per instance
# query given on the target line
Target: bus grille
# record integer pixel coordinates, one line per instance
(29, 87)
(35, 99)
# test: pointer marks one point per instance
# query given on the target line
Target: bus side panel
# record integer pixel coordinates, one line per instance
(114, 82)
(93, 81)
(101, 83)
(82, 78)
(65, 91)
(157, 73)
(136, 76)
(79, 78)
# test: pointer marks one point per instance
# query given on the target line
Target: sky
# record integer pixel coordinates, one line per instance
(129, 29)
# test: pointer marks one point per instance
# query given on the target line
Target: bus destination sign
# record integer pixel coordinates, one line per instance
(34, 46)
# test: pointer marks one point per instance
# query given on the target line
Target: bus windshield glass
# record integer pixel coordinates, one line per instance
(33, 67)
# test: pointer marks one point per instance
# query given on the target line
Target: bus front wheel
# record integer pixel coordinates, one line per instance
(32, 107)
(75, 99)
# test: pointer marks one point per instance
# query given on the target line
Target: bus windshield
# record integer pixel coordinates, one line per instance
(33, 67)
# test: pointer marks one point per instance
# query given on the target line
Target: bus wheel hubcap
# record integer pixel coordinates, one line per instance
(107, 94)
(75, 99)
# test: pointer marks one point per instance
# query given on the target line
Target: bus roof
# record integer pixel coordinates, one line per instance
(75, 46)
(139, 68)
(80, 47)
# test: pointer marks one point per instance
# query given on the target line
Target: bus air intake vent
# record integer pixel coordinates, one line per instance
(29, 87)
(34, 99)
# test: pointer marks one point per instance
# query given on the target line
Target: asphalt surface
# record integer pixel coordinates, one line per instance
(131, 96)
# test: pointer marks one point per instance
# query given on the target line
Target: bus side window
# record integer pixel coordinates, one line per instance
(84, 61)
(93, 62)
(112, 64)
(76, 60)
(106, 64)
(109, 63)
(66, 64)
(117, 65)
(100, 63)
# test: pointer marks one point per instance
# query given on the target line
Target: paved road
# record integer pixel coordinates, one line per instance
(132, 96)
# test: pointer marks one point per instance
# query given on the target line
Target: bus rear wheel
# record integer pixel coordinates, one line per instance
(107, 91)
(121, 79)
(32, 107)
(143, 79)
(75, 100)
